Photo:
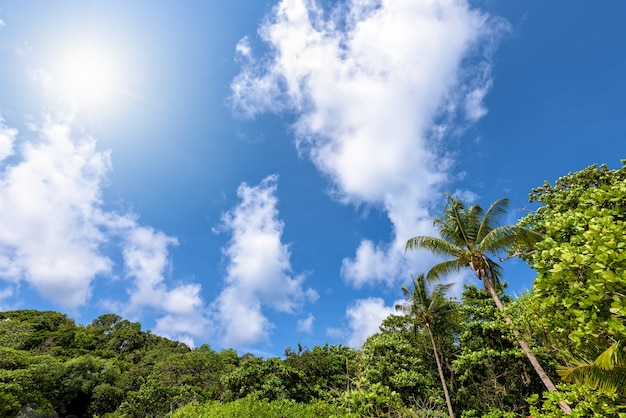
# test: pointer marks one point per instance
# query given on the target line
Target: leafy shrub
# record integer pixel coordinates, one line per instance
(251, 406)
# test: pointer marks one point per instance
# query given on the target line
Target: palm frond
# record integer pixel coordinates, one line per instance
(457, 213)
(403, 307)
(489, 221)
(441, 289)
(449, 232)
(435, 245)
(406, 292)
(438, 297)
(472, 222)
(446, 267)
(614, 356)
(592, 376)
(495, 271)
(504, 238)
(606, 373)
(419, 288)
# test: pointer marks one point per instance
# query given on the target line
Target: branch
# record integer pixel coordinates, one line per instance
(518, 254)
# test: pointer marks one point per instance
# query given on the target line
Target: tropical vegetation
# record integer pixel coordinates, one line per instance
(436, 357)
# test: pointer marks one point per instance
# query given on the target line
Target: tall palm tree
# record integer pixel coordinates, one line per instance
(472, 236)
(426, 309)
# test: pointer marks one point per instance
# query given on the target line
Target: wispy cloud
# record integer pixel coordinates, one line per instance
(306, 324)
(259, 273)
(56, 235)
(375, 86)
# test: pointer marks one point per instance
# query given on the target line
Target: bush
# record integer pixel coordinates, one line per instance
(251, 406)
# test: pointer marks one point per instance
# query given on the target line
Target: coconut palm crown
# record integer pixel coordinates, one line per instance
(426, 308)
(472, 237)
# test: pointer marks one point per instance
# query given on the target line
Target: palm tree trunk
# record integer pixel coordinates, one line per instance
(443, 380)
(525, 348)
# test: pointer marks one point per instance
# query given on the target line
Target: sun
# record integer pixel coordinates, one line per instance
(87, 75)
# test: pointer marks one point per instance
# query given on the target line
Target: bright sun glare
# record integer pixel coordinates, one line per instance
(87, 75)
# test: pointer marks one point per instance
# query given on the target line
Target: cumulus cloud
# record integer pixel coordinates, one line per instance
(56, 235)
(363, 318)
(49, 225)
(259, 273)
(367, 81)
(146, 258)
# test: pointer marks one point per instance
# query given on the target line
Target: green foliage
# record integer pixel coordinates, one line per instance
(201, 368)
(105, 398)
(488, 413)
(325, 369)
(375, 400)
(586, 402)
(35, 330)
(251, 406)
(607, 373)
(581, 263)
(492, 371)
(393, 361)
(157, 400)
(269, 379)
(27, 379)
(579, 296)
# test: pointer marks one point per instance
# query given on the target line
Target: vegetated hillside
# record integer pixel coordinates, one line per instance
(574, 319)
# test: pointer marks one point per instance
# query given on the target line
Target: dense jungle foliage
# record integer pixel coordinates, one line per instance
(573, 319)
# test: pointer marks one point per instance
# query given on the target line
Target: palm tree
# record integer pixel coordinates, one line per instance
(425, 309)
(471, 236)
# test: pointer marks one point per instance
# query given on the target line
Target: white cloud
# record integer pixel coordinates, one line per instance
(56, 236)
(146, 257)
(7, 139)
(306, 324)
(183, 327)
(364, 317)
(49, 232)
(467, 196)
(243, 47)
(259, 273)
(367, 81)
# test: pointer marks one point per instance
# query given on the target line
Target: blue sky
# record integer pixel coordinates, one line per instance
(245, 174)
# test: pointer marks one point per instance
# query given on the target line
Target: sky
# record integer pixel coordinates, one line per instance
(245, 174)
